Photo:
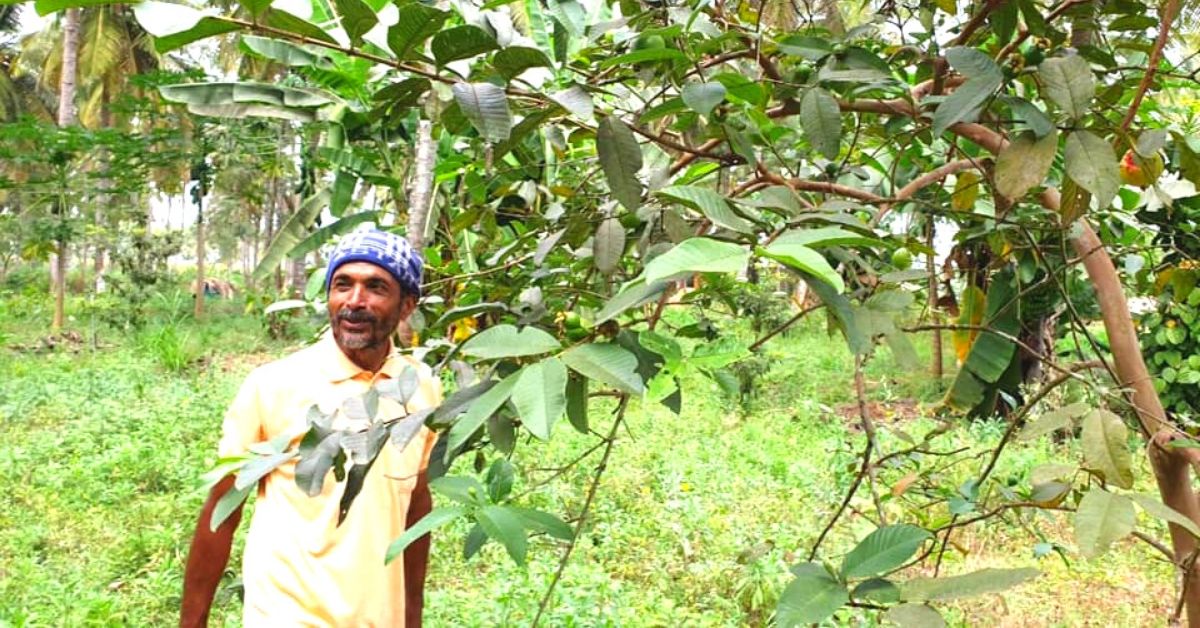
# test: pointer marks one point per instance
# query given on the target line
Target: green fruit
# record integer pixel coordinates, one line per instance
(571, 321)
(902, 258)
(649, 42)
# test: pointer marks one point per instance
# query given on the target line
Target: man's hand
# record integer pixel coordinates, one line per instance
(207, 559)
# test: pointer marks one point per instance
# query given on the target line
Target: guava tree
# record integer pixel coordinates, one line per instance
(591, 155)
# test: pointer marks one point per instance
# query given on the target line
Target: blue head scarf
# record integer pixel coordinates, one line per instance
(385, 250)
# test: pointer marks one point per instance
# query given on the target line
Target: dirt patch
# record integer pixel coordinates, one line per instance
(242, 361)
(900, 410)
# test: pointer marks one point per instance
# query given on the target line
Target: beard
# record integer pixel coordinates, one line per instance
(372, 336)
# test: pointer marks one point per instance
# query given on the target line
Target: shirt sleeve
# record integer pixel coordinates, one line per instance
(242, 425)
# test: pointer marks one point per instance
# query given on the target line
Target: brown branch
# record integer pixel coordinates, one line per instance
(780, 329)
(975, 22)
(696, 152)
(1170, 11)
(687, 158)
(921, 182)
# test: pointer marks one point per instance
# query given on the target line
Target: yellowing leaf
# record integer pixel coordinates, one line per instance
(966, 190)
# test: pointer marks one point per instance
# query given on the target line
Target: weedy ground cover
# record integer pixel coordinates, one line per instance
(697, 518)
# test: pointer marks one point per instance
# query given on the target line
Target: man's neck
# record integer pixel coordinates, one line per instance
(369, 358)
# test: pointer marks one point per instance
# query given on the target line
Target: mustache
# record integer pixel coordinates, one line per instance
(356, 316)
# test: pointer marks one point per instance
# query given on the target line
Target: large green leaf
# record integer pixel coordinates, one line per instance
(539, 521)
(577, 402)
(512, 61)
(290, 234)
(632, 294)
(486, 106)
(461, 42)
(621, 160)
(884, 549)
(698, 255)
(821, 120)
(284, 21)
(175, 25)
(285, 53)
(481, 408)
(1068, 82)
(226, 93)
(1104, 440)
(578, 102)
(357, 19)
(983, 79)
(504, 525)
(914, 616)
(436, 518)
(540, 396)
(1090, 162)
(227, 504)
(607, 364)
(710, 203)
(1054, 420)
(975, 583)
(1159, 510)
(608, 245)
(506, 341)
(1025, 163)
(803, 258)
(416, 23)
(826, 236)
(640, 56)
(703, 97)
(327, 233)
(1102, 519)
(812, 597)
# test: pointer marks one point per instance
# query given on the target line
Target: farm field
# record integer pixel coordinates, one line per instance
(696, 520)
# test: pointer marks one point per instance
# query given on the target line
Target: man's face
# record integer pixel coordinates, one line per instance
(365, 305)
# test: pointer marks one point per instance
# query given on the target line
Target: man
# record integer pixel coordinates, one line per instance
(300, 567)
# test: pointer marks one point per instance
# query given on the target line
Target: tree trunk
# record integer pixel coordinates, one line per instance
(66, 117)
(421, 196)
(199, 311)
(105, 185)
(935, 315)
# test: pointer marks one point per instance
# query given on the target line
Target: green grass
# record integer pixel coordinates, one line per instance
(697, 518)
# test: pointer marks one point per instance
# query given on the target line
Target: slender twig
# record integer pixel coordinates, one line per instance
(778, 330)
(1170, 10)
(587, 506)
(868, 425)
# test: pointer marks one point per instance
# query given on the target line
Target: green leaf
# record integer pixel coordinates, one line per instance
(710, 203)
(605, 363)
(539, 521)
(621, 160)
(964, 105)
(825, 236)
(640, 56)
(577, 402)
(483, 407)
(327, 233)
(1024, 163)
(315, 464)
(1030, 114)
(632, 294)
(486, 107)
(812, 597)
(975, 583)
(810, 48)
(285, 53)
(576, 101)
(284, 21)
(1106, 448)
(462, 489)
(1090, 162)
(461, 42)
(1101, 519)
(500, 479)
(877, 590)
(505, 526)
(248, 99)
(703, 97)
(821, 120)
(741, 88)
(357, 19)
(506, 341)
(883, 550)
(1159, 510)
(698, 255)
(290, 234)
(608, 246)
(462, 399)
(540, 396)
(805, 259)
(1058, 419)
(436, 518)
(229, 502)
(416, 23)
(512, 61)
(1069, 83)
(175, 25)
(914, 616)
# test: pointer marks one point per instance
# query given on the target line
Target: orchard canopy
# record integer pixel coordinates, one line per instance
(574, 170)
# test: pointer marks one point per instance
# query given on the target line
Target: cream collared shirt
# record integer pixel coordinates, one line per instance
(300, 568)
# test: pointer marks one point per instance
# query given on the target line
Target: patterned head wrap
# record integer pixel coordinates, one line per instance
(385, 250)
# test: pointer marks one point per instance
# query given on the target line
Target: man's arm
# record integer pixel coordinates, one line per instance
(416, 555)
(207, 559)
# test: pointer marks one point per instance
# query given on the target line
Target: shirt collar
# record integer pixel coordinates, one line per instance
(338, 367)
